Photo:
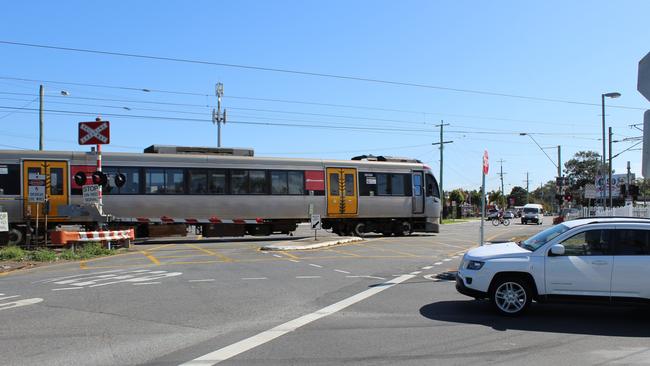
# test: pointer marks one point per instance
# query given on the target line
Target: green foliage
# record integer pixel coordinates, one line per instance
(42, 255)
(12, 253)
(457, 195)
(68, 254)
(519, 194)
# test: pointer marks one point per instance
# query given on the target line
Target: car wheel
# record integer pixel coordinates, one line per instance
(510, 296)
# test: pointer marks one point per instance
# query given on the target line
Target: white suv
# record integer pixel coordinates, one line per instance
(604, 259)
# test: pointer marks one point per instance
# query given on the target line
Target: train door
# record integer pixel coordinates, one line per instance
(418, 192)
(342, 192)
(56, 186)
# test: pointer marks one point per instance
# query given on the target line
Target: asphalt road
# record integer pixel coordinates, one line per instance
(370, 303)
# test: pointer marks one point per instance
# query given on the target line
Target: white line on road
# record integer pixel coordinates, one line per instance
(454, 257)
(427, 267)
(255, 278)
(8, 297)
(205, 280)
(293, 260)
(277, 255)
(416, 272)
(315, 265)
(437, 263)
(446, 260)
(308, 277)
(341, 271)
(67, 288)
(242, 346)
(373, 277)
(145, 283)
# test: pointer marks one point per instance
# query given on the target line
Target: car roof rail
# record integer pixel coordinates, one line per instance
(628, 219)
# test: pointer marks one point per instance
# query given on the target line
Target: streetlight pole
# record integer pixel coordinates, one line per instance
(602, 99)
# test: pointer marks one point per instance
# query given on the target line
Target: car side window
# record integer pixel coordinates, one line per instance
(590, 242)
(632, 242)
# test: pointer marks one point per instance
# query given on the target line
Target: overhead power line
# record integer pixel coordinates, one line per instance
(304, 73)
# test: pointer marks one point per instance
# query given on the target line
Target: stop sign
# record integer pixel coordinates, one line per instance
(486, 163)
(643, 82)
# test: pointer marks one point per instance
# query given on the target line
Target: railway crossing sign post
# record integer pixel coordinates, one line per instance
(91, 193)
(486, 169)
(95, 133)
(316, 225)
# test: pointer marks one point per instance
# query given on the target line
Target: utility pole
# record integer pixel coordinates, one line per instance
(41, 92)
(609, 181)
(501, 161)
(559, 161)
(627, 181)
(217, 117)
(527, 193)
(442, 144)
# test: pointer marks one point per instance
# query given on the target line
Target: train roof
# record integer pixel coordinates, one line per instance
(189, 158)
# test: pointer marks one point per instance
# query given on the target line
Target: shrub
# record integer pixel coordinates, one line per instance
(12, 253)
(68, 254)
(91, 250)
(43, 255)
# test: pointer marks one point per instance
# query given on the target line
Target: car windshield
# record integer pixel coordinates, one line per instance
(534, 242)
(530, 210)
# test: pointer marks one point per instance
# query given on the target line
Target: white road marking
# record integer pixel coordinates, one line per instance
(446, 260)
(341, 271)
(8, 297)
(430, 277)
(365, 276)
(205, 280)
(255, 278)
(315, 265)
(416, 272)
(18, 303)
(293, 260)
(242, 346)
(67, 288)
(145, 283)
(308, 277)
(437, 263)
(427, 267)
(79, 275)
(277, 256)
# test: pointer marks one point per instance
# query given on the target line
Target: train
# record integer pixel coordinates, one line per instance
(166, 190)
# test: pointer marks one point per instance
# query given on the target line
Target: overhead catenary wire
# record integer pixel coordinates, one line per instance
(304, 73)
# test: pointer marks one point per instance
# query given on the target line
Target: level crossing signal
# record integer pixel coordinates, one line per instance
(99, 178)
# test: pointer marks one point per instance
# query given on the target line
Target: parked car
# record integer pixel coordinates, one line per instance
(492, 214)
(509, 215)
(595, 259)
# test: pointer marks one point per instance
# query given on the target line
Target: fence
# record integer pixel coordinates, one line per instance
(627, 211)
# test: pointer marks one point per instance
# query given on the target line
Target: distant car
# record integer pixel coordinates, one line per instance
(509, 215)
(492, 214)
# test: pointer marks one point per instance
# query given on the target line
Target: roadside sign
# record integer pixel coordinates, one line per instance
(486, 163)
(36, 188)
(94, 133)
(91, 193)
(315, 222)
(591, 191)
(643, 81)
(4, 221)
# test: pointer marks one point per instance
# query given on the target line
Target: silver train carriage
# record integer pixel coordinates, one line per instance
(220, 192)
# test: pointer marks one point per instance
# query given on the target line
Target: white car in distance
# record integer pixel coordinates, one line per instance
(599, 259)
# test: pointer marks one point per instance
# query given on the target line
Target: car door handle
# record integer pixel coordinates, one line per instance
(600, 263)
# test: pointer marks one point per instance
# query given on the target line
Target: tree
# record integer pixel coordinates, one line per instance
(457, 195)
(497, 198)
(519, 194)
(583, 168)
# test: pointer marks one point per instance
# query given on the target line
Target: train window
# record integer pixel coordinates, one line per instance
(296, 183)
(432, 186)
(198, 180)
(155, 181)
(239, 181)
(174, 181)
(56, 181)
(132, 184)
(397, 184)
(334, 184)
(349, 184)
(10, 179)
(382, 185)
(257, 181)
(218, 182)
(279, 183)
(110, 187)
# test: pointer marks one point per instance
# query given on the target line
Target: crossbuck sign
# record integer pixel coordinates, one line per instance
(94, 133)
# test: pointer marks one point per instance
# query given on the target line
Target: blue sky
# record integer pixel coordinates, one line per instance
(551, 49)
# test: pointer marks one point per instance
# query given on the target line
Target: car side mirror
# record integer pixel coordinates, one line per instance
(557, 249)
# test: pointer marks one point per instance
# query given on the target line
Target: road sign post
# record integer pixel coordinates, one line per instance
(486, 169)
(96, 133)
(316, 225)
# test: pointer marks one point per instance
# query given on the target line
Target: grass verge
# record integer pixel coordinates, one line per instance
(90, 250)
